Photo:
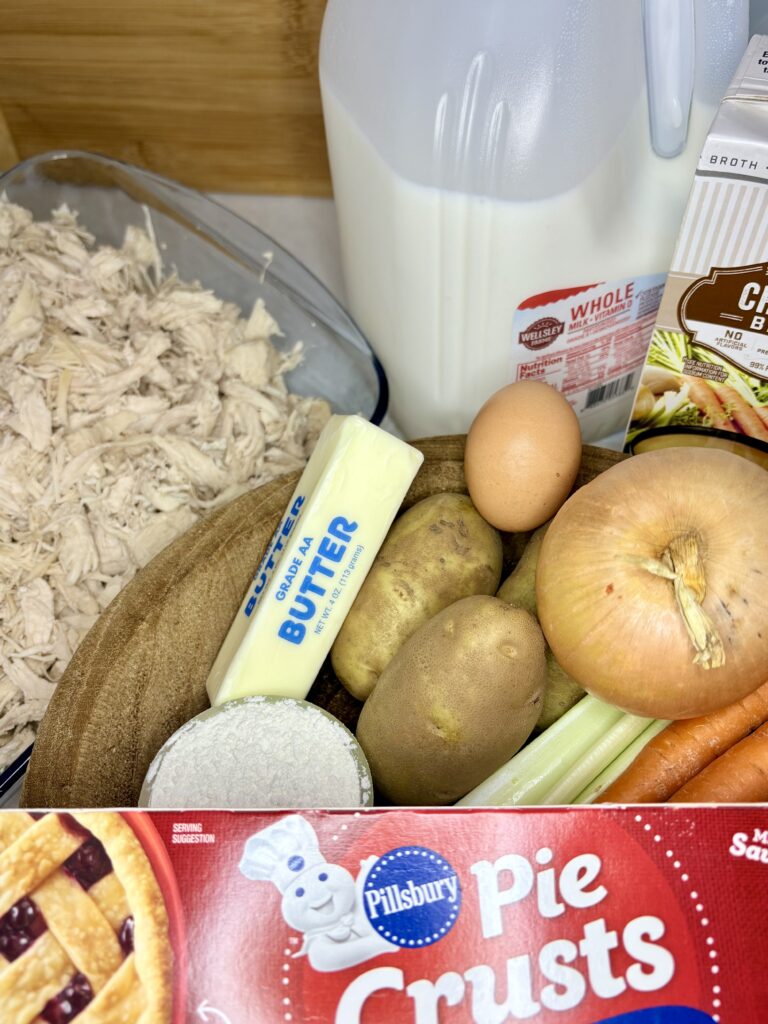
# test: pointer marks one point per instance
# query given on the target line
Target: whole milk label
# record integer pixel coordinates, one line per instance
(590, 915)
(589, 342)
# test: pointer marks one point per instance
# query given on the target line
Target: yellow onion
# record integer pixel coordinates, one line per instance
(652, 582)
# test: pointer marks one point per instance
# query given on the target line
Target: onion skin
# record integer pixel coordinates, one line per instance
(615, 626)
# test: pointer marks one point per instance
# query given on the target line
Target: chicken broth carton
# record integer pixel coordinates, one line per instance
(585, 915)
(705, 379)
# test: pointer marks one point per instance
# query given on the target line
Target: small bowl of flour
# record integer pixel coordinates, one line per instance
(259, 753)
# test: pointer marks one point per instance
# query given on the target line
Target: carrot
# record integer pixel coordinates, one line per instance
(702, 396)
(739, 776)
(741, 412)
(684, 749)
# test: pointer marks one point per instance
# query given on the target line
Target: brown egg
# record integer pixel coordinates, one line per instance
(522, 456)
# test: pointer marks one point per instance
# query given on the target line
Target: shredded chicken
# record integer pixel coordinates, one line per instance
(130, 405)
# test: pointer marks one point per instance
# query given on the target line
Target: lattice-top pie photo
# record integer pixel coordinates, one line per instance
(83, 924)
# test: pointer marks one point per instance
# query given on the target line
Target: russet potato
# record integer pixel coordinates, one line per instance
(519, 588)
(459, 698)
(437, 552)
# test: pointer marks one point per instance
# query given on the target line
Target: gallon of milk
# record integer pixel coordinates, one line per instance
(509, 181)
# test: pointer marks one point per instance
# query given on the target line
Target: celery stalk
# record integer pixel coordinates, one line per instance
(609, 775)
(540, 765)
(605, 752)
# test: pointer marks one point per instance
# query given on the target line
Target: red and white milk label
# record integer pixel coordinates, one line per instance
(588, 341)
(584, 916)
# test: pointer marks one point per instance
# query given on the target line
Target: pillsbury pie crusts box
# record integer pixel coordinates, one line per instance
(644, 915)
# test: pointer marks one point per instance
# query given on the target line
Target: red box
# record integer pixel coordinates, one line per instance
(636, 915)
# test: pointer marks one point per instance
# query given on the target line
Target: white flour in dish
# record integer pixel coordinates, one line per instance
(259, 753)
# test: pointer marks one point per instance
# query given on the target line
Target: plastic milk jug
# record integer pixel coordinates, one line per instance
(509, 181)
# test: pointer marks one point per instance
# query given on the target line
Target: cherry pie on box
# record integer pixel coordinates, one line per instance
(83, 925)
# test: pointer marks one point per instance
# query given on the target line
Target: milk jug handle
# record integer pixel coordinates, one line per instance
(669, 31)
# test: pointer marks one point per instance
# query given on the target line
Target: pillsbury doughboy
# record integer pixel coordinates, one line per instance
(319, 899)
(282, 852)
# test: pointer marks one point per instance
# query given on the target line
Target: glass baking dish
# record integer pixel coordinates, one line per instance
(202, 241)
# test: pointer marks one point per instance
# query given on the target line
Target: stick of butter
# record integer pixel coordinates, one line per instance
(335, 523)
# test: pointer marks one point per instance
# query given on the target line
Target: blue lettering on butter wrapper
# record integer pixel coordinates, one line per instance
(318, 581)
(272, 556)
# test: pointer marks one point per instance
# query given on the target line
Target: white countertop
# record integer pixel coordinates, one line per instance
(304, 226)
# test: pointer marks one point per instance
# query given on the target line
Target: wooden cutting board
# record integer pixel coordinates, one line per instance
(221, 96)
(8, 153)
(140, 672)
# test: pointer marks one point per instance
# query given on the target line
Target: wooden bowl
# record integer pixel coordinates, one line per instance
(140, 672)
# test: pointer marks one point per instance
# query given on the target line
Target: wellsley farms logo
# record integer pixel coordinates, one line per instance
(541, 333)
